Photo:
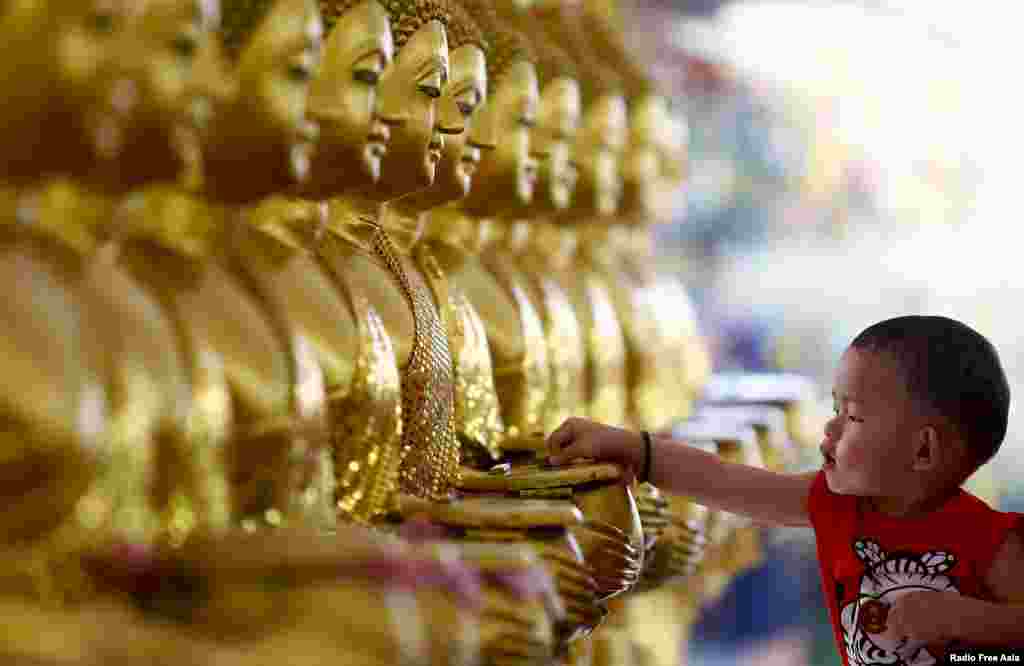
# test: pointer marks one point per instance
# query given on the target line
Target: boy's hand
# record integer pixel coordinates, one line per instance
(923, 617)
(583, 438)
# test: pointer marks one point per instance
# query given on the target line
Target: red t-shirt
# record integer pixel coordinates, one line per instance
(866, 555)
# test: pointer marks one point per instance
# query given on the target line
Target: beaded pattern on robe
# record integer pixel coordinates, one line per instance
(606, 353)
(430, 451)
(523, 389)
(477, 415)
(367, 425)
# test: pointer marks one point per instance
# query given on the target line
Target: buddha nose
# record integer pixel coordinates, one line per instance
(309, 131)
(379, 131)
(123, 96)
(530, 167)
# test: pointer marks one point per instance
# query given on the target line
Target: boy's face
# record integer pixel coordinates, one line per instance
(869, 443)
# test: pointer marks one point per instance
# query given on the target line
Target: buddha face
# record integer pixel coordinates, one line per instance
(459, 103)
(551, 140)
(160, 49)
(213, 86)
(407, 101)
(644, 157)
(507, 174)
(63, 88)
(596, 150)
(264, 127)
(352, 140)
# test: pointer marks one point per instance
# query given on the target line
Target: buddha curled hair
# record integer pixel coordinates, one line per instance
(563, 25)
(635, 79)
(507, 46)
(463, 30)
(239, 20)
(332, 10)
(552, 61)
(408, 16)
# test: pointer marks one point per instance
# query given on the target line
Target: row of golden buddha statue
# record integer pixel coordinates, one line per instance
(298, 289)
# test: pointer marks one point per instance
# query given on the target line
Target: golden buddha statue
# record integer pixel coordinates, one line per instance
(56, 416)
(452, 235)
(66, 214)
(527, 234)
(374, 263)
(597, 142)
(258, 418)
(477, 421)
(369, 251)
(276, 247)
(365, 410)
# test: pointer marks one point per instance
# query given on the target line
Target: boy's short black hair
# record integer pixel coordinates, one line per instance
(953, 369)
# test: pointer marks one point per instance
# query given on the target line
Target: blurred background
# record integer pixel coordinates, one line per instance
(850, 161)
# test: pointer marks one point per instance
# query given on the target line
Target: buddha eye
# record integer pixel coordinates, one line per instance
(429, 90)
(299, 72)
(367, 76)
(102, 22)
(466, 108)
(185, 46)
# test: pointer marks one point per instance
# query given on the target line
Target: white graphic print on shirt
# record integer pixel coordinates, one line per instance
(886, 577)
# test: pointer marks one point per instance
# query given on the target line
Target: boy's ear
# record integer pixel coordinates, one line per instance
(927, 448)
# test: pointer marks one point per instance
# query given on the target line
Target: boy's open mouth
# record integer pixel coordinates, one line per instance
(830, 460)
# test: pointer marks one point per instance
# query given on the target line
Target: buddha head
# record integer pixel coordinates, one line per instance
(558, 118)
(600, 138)
(64, 95)
(357, 49)
(506, 176)
(650, 153)
(465, 93)
(408, 95)
(161, 44)
(259, 140)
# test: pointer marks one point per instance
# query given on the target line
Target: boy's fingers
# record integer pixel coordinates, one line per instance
(561, 437)
(577, 449)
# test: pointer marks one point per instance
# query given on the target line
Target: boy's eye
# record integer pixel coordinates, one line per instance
(856, 420)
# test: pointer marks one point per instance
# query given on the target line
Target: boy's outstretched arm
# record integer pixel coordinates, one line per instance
(767, 497)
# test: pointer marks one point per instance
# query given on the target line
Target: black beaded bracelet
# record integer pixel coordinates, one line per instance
(645, 476)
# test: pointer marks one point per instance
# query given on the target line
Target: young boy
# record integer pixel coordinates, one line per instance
(910, 562)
